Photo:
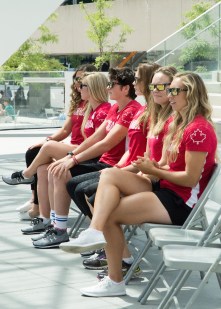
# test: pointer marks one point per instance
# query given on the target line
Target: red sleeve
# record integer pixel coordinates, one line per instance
(198, 138)
(126, 116)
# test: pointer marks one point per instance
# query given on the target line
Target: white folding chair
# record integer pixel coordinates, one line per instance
(196, 219)
(162, 237)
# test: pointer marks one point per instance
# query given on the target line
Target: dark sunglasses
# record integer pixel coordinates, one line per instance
(174, 91)
(83, 85)
(112, 84)
(159, 87)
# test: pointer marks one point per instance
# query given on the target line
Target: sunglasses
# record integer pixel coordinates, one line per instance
(174, 91)
(112, 84)
(83, 85)
(159, 87)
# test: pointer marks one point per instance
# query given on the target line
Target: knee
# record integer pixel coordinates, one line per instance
(42, 171)
(108, 174)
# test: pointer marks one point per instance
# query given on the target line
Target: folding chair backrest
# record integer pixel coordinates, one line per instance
(198, 215)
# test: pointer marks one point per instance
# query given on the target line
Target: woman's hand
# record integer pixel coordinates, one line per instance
(60, 167)
(145, 165)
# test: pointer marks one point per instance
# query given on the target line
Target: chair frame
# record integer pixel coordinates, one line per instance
(197, 217)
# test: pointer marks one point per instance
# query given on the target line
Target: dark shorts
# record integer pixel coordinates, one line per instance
(174, 204)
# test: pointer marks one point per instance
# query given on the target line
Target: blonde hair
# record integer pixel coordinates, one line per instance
(197, 104)
(146, 72)
(159, 114)
(97, 86)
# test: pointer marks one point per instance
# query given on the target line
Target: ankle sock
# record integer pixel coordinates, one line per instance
(45, 220)
(129, 260)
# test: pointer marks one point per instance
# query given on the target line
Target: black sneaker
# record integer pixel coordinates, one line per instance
(36, 227)
(96, 261)
(125, 267)
(52, 239)
(17, 179)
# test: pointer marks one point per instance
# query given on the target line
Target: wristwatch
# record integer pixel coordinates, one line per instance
(70, 153)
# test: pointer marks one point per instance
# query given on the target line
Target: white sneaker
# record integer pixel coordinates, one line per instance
(88, 240)
(105, 288)
(25, 207)
(24, 216)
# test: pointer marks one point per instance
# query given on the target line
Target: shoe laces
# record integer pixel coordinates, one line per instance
(36, 220)
(17, 175)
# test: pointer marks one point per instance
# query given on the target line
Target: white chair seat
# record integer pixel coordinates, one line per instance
(192, 258)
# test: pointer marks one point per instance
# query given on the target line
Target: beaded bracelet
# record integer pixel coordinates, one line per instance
(75, 160)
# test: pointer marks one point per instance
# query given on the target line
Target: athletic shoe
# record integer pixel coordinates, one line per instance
(52, 239)
(37, 226)
(125, 267)
(87, 240)
(17, 179)
(96, 261)
(42, 235)
(25, 207)
(105, 288)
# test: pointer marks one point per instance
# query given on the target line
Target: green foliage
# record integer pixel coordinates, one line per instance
(199, 49)
(29, 57)
(101, 27)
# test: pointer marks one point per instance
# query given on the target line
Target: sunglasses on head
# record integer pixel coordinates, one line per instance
(174, 91)
(83, 85)
(112, 84)
(159, 87)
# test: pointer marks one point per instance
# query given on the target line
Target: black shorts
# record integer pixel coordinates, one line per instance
(174, 204)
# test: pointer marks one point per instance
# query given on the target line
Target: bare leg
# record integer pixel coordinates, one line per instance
(113, 183)
(135, 209)
(126, 252)
(48, 151)
(44, 204)
(62, 199)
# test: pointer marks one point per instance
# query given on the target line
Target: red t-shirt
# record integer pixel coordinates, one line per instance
(76, 119)
(137, 136)
(155, 143)
(199, 135)
(96, 118)
(123, 118)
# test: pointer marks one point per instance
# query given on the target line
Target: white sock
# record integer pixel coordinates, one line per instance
(114, 282)
(129, 260)
(61, 222)
(45, 220)
(52, 216)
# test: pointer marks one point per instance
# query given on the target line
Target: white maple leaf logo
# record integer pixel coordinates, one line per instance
(198, 136)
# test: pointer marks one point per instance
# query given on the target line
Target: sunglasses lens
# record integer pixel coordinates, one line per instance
(174, 91)
(160, 87)
(151, 87)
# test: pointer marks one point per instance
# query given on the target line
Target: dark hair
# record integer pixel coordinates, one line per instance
(124, 76)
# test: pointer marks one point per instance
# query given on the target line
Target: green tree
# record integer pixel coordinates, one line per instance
(29, 57)
(101, 26)
(199, 49)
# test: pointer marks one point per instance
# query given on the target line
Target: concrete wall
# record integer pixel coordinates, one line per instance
(152, 21)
